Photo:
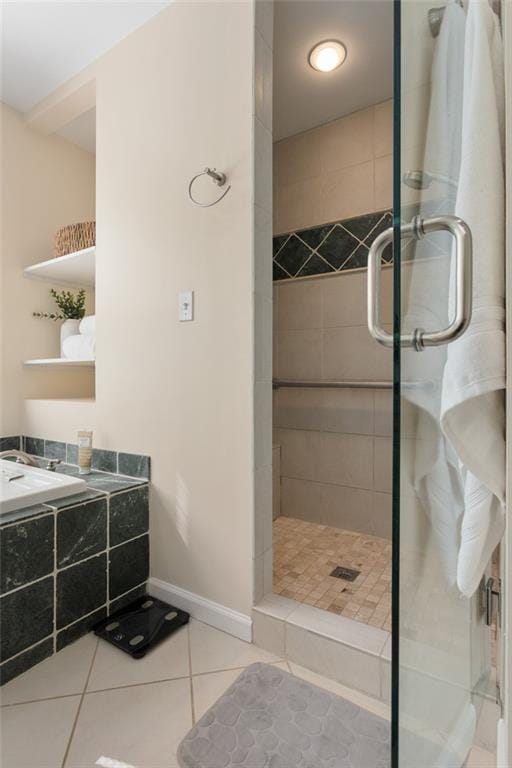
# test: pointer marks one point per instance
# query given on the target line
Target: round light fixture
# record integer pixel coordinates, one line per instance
(327, 55)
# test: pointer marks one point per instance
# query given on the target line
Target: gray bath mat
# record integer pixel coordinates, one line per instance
(271, 719)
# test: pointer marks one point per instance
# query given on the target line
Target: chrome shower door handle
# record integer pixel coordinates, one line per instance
(418, 228)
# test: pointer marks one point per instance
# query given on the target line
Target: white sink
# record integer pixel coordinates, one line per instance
(22, 486)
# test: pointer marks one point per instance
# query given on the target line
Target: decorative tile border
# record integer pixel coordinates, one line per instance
(116, 462)
(330, 247)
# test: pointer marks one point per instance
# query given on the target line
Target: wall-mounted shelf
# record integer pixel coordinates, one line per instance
(76, 269)
(61, 362)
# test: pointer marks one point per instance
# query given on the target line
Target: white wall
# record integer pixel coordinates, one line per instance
(46, 183)
(175, 96)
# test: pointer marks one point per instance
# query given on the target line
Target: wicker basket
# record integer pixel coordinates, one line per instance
(75, 237)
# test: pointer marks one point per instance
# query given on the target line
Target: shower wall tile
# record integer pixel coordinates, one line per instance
(327, 457)
(351, 354)
(383, 467)
(300, 354)
(329, 173)
(325, 477)
(384, 181)
(300, 306)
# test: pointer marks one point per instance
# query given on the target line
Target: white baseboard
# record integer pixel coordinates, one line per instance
(216, 615)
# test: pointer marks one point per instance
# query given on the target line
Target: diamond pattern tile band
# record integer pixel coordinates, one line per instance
(329, 248)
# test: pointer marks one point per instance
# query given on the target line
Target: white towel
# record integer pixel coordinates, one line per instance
(434, 471)
(79, 347)
(472, 413)
(88, 325)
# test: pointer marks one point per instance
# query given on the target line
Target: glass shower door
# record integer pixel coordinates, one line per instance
(440, 642)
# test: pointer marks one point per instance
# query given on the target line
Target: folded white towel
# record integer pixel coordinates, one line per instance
(88, 325)
(79, 347)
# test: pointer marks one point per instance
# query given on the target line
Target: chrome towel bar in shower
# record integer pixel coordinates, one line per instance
(291, 384)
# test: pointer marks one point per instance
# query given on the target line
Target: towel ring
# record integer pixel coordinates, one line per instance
(218, 177)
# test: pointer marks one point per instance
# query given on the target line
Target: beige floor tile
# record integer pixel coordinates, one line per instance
(213, 650)
(113, 668)
(63, 674)
(139, 726)
(36, 735)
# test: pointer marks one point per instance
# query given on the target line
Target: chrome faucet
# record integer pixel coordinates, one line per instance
(20, 456)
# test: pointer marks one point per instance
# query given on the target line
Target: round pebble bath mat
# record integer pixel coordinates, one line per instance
(270, 719)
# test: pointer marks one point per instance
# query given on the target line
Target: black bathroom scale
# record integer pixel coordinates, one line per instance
(141, 625)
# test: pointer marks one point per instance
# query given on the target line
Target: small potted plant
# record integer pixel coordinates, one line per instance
(71, 309)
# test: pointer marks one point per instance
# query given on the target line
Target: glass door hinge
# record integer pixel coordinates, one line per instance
(492, 601)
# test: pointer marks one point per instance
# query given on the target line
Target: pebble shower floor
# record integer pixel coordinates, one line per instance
(305, 554)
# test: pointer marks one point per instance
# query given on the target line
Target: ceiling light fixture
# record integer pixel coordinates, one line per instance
(327, 55)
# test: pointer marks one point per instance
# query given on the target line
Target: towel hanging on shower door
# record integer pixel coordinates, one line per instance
(473, 407)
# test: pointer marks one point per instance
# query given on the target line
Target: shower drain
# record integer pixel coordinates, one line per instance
(348, 574)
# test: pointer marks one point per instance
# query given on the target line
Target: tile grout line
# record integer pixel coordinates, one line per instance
(189, 653)
(75, 722)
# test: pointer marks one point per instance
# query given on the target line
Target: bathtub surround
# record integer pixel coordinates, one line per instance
(329, 248)
(116, 462)
(66, 564)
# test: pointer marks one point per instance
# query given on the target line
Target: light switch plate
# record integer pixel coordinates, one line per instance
(186, 306)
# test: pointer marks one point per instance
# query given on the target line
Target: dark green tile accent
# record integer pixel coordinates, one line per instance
(277, 243)
(338, 246)
(101, 481)
(81, 532)
(77, 498)
(24, 514)
(360, 226)
(133, 464)
(358, 259)
(72, 453)
(122, 602)
(53, 449)
(14, 667)
(315, 266)
(105, 461)
(278, 272)
(313, 237)
(10, 443)
(33, 445)
(79, 628)
(26, 617)
(129, 566)
(81, 589)
(385, 222)
(26, 552)
(293, 255)
(129, 515)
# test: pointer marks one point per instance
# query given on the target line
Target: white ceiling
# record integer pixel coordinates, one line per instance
(304, 98)
(43, 44)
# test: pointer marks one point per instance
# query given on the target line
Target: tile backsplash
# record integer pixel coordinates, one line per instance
(116, 462)
(329, 248)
